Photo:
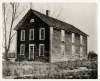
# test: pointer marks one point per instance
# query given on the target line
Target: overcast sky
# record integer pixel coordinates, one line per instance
(81, 15)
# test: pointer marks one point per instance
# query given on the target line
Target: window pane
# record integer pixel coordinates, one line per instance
(62, 50)
(42, 50)
(32, 20)
(73, 50)
(31, 34)
(31, 49)
(22, 49)
(62, 35)
(81, 50)
(73, 38)
(23, 34)
(42, 33)
(81, 39)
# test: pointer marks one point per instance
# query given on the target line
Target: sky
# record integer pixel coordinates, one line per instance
(82, 15)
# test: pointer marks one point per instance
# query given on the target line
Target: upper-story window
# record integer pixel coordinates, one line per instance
(32, 20)
(31, 34)
(22, 35)
(42, 34)
(62, 35)
(73, 38)
(81, 39)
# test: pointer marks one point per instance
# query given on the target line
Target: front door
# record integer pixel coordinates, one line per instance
(31, 51)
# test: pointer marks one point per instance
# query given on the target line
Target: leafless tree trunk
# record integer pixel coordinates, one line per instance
(14, 13)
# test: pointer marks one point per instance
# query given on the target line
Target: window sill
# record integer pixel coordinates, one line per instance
(41, 55)
(21, 54)
(41, 39)
(22, 40)
(63, 41)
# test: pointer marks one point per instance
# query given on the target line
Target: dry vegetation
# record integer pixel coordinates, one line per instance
(39, 70)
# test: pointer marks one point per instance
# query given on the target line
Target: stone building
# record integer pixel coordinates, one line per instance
(43, 38)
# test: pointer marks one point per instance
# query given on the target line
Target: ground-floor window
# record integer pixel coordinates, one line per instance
(73, 50)
(41, 50)
(22, 49)
(63, 50)
(81, 51)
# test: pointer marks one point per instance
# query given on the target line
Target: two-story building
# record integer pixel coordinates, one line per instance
(43, 38)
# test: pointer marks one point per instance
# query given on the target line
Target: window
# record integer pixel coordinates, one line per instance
(62, 35)
(63, 50)
(22, 49)
(42, 34)
(23, 35)
(81, 51)
(73, 50)
(31, 34)
(81, 39)
(32, 20)
(41, 50)
(73, 38)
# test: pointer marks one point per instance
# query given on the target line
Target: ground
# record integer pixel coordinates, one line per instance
(39, 70)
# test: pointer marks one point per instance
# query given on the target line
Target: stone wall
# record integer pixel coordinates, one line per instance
(56, 46)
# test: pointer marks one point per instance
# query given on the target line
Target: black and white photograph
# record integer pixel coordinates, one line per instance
(49, 40)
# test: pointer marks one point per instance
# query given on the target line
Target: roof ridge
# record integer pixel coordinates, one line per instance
(51, 17)
(51, 21)
(58, 20)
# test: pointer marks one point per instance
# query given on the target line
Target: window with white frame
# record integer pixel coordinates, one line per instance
(73, 38)
(62, 35)
(73, 50)
(81, 51)
(31, 34)
(22, 35)
(32, 20)
(41, 50)
(22, 49)
(63, 50)
(42, 34)
(81, 39)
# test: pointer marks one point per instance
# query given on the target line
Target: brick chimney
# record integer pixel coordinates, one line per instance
(48, 12)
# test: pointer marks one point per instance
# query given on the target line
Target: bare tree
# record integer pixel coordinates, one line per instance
(47, 6)
(9, 16)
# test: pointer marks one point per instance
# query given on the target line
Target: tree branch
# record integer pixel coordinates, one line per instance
(59, 13)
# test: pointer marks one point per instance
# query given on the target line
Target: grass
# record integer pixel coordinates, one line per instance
(59, 70)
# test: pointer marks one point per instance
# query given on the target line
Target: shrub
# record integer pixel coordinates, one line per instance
(16, 73)
(7, 72)
(92, 56)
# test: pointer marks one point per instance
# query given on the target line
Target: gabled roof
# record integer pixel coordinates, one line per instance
(52, 22)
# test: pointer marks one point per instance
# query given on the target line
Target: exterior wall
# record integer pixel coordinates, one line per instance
(77, 46)
(56, 49)
(85, 47)
(56, 42)
(68, 44)
(36, 26)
